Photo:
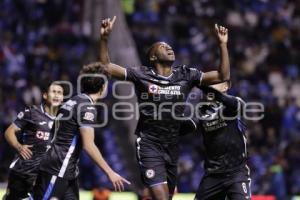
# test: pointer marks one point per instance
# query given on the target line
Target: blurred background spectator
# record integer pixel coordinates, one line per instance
(42, 40)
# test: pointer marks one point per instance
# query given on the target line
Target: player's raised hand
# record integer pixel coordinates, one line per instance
(25, 152)
(106, 27)
(117, 181)
(222, 33)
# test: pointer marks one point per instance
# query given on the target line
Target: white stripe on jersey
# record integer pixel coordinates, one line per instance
(13, 163)
(125, 75)
(245, 144)
(67, 158)
(138, 140)
(249, 179)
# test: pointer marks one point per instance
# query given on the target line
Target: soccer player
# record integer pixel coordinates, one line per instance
(34, 123)
(158, 87)
(74, 130)
(220, 120)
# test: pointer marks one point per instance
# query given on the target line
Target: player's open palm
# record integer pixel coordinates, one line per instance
(222, 33)
(118, 181)
(106, 27)
(25, 152)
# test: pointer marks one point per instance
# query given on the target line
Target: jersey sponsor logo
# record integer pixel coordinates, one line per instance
(244, 188)
(150, 173)
(169, 90)
(42, 135)
(20, 115)
(42, 123)
(90, 108)
(89, 116)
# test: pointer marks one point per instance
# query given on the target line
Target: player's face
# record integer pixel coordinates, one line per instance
(54, 96)
(164, 52)
(221, 87)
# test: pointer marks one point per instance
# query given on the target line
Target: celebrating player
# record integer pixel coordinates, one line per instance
(35, 124)
(158, 87)
(223, 128)
(74, 130)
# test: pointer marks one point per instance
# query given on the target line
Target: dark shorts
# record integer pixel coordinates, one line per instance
(19, 186)
(48, 186)
(157, 163)
(234, 186)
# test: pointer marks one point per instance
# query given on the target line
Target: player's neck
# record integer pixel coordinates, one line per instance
(94, 97)
(163, 69)
(51, 110)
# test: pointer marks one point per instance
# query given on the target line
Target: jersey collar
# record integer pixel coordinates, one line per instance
(45, 113)
(87, 96)
(164, 77)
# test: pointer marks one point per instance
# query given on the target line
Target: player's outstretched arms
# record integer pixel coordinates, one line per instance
(10, 136)
(223, 73)
(87, 135)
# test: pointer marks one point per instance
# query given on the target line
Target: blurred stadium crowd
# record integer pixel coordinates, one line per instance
(42, 40)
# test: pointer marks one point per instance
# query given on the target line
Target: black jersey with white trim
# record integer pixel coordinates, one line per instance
(63, 157)
(35, 126)
(162, 100)
(224, 132)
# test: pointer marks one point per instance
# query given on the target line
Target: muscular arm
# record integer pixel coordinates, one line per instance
(87, 135)
(223, 72)
(11, 138)
(113, 70)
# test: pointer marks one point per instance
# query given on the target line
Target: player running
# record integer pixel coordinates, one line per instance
(74, 130)
(34, 123)
(158, 87)
(224, 136)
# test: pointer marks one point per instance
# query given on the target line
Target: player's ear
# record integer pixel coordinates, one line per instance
(153, 58)
(45, 95)
(103, 89)
(225, 87)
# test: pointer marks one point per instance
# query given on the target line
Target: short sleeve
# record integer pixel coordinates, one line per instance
(87, 116)
(241, 103)
(195, 76)
(23, 118)
(132, 75)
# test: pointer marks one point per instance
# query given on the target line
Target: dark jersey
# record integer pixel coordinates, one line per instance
(162, 100)
(35, 125)
(62, 159)
(223, 132)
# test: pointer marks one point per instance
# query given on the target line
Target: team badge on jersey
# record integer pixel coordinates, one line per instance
(153, 88)
(89, 116)
(150, 173)
(20, 115)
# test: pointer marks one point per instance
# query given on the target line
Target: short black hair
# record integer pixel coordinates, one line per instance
(47, 84)
(91, 81)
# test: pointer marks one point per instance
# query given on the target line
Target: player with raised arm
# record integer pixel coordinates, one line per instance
(74, 130)
(159, 87)
(221, 122)
(34, 123)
